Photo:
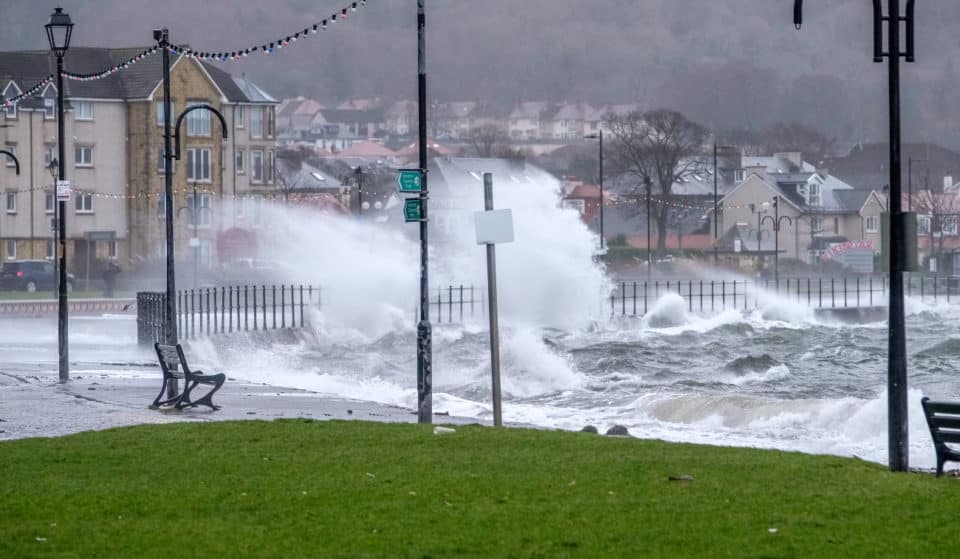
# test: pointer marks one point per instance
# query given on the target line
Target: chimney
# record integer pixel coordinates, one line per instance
(823, 171)
(794, 157)
(759, 170)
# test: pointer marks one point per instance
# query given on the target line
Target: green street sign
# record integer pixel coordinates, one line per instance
(412, 210)
(409, 180)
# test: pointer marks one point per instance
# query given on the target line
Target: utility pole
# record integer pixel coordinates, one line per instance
(424, 335)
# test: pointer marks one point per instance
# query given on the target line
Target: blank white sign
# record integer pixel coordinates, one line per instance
(494, 226)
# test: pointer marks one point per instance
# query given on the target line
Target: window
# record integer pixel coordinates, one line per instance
(49, 109)
(49, 154)
(239, 162)
(269, 170)
(11, 91)
(739, 175)
(923, 224)
(12, 148)
(83, 110)
(239, 117)
(112, 249)
(813, 194)
(49, 202)
(11, 201)
(198, 210)
(269, 122)
(949, 226)
(11, 249)
(50, 253)
(198, 121)
(198, 164)
(160, 108)
(836, 226)
(83, 156)
(816, 224)
(256, 122)
(256, 165)
(575, 204)
(84, 202)
(872, 223)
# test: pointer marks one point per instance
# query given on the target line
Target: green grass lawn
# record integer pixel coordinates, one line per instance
(353, 489)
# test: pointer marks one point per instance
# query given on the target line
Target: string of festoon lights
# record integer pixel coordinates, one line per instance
(273, 195)
(640, 200)
(339, 16)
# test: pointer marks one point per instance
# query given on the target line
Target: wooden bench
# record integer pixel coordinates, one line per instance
(174, 366)
(943, 418)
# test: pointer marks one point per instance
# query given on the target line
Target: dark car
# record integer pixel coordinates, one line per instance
(30, 275)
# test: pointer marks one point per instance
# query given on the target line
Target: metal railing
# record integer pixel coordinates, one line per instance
(223, 310)
(635, 298)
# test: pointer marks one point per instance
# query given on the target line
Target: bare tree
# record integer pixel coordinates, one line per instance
(484, 139)
(661, 147)
(943, 211)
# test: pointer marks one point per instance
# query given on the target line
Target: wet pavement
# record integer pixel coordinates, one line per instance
(34, 404)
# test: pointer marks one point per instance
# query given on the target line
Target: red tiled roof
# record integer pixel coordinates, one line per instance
(367, 149)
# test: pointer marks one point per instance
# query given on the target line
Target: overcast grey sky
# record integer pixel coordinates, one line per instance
(726, 64)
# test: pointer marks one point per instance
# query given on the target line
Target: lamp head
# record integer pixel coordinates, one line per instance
(54, 168)
(59, 29)
(798, 13)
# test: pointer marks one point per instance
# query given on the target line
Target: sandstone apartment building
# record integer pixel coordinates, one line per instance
(114, 158)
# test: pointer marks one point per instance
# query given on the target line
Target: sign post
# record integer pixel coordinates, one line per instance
(493, 227)
(63, 190)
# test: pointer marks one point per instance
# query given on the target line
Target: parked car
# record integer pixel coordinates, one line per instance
(30, 275)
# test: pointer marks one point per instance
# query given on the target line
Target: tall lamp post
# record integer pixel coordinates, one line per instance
(775, 220)
(599, 136)
(59, 29)
(897, 433)
(359, 174)
(646, 183)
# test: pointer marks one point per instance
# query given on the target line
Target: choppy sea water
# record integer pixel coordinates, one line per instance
(784, 380)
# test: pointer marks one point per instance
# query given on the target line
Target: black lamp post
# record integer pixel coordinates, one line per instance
(13, 158)
(899, 457)
(59, 29)
(646, 183)
(599, 136)
(754, 210)
(775, 220)
(359, 173)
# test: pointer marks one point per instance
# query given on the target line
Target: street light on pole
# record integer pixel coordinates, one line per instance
(775, 220)
(599, 136)
(897, 432)
(359, 173)
(646, 183)
(59, 30)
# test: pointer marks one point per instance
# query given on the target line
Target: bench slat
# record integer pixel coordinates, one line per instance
(949, 408)
(948, 436)
(942, 422)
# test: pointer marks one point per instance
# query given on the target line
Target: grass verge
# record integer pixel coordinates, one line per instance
(301, 488)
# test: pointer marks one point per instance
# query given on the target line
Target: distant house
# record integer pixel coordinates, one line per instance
(568, 122)
(820, 210)
(365, 152)
(400, 118)
(340, 128)
(526, 120)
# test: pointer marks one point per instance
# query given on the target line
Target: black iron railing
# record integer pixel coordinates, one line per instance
(223, 310)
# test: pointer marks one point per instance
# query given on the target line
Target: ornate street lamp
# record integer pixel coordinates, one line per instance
(59, 30)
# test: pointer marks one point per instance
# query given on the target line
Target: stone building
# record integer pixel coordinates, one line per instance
(114, 147)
